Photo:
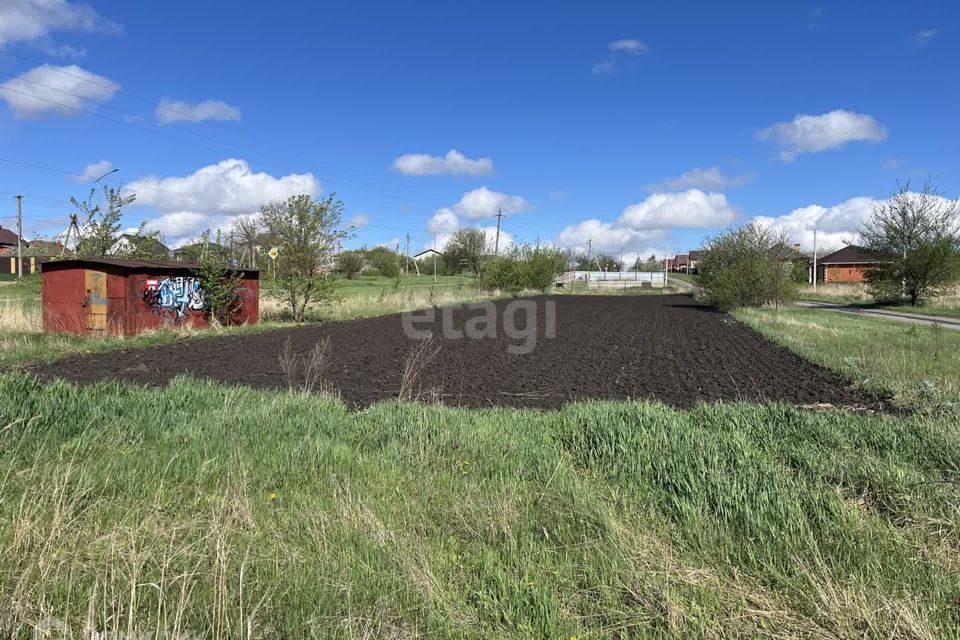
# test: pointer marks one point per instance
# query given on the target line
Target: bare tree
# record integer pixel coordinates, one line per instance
(247, 229)
(916, 237)
(101, 222)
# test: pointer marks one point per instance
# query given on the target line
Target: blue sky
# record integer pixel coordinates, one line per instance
(642, 126)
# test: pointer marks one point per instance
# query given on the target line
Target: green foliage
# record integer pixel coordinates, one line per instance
(524, 267)
(100, 223)
(917, 238)
(350, 263)
(599, 262)
(220, 282)
(465, 250)
(648, 264)
(384, 261)
(210, 511)
(305, 232)
(746, 266)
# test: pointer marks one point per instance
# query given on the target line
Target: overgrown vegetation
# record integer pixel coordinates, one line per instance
(524, 267)
(270, 514)
(916, 236)
(220, 282)
(747, 266)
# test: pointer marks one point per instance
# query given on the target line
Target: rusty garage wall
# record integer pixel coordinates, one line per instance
(125, 297)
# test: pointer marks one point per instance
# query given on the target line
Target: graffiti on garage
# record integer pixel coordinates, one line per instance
(180, 295)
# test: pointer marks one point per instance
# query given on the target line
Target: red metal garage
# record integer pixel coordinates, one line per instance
(124, 297)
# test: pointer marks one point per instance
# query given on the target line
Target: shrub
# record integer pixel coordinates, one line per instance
(524, 267)
(747, 266)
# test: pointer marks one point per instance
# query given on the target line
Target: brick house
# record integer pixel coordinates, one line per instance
(846, 265)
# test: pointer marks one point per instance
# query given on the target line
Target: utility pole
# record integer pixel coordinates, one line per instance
(434, 258)
(496, 243)
(621, 257)
(19, 236)
(814, 259)
(408, 253)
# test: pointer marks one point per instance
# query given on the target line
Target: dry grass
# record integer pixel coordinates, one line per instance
(18, 316)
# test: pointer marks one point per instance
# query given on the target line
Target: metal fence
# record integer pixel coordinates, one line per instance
(653, 279)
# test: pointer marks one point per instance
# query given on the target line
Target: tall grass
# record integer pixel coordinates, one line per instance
(19, 316)
(208, 511)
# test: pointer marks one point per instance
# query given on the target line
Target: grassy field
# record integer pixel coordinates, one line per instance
(202, 510)
(855, 294)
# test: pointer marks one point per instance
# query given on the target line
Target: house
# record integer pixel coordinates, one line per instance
(846, 265)
(142, 246)
(694, 256)
(681, 263)
(8, 242)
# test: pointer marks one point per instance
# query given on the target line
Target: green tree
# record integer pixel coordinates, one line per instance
(350, 263)
(916, 236)
(384, 261)
(220, 283)
(524, 267)
(305, 232)
(465, 250)
(745, 267)
(100, 222)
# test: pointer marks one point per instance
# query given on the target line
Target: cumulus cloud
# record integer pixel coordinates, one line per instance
(93, 171)
(454, 163)
(922, 38)
(836, 225)
(648, 224)
(28, 20)
(688, 209)
(813, 134)
(483, 202)
(709, 179)
(169, 111)
(55, 90)
(620, 51)
(213, 196)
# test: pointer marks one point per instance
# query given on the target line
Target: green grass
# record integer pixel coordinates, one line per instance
(921, 365)
(222, 512)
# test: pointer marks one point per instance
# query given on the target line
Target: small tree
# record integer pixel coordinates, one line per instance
(746, 267)
(916, 236)
(220, 283)
(100, 223)
(305, 232)
(248, 230)
(466, 249)
(350, 263)
(541, 266)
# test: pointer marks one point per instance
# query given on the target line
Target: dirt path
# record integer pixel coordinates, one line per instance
(667, 348)
(886, 314)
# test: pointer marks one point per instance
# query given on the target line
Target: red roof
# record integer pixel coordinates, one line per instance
(9, 237)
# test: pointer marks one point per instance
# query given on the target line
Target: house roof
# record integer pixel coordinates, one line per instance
(428, 251)
(9, 237)
(139, 266)
(850, 254)
(152, 243)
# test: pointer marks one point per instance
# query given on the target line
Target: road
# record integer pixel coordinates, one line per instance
(682, 285)
(911, 318)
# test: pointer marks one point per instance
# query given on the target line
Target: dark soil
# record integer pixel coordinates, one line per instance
(665, 348)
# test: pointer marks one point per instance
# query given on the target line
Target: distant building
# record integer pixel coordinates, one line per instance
(693, 258)
(681, 263)
(849, 264)
(8, 242)
(143, 247)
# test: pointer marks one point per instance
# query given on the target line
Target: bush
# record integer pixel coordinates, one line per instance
(351, 264)
(524, 267)
(749, 266)
(384, 261)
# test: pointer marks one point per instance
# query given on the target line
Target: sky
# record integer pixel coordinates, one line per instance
(636, 127)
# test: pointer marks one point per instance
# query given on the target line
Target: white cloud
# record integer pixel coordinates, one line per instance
(454, 163)
(687, 209)
(66, 51)
(483, 202)
(58, 90)
(710, 179)
(93, 171)
(28, 20)
(358, 220)
(169, 111)
(922, 38)
(812, 134)
(620, 51)
(836, 225)
(630, 46)
(644, 227)
(213, 196)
